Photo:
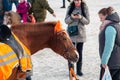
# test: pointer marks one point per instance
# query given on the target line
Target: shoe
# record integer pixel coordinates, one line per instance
(62, 7)
(69, 0)
(80, 73)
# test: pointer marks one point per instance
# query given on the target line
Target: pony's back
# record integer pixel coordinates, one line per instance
(33, 27)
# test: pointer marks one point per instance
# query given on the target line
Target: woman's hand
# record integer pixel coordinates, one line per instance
(54, 14)
(104, 65)
(76, 16)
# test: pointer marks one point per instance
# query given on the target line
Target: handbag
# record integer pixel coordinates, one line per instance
(106, 75)
(72, 30)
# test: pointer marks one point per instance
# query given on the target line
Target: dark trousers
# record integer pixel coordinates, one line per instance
(11, 3)
(64, 3)
(28, 78)
(1, 18)
(115, 73)
(79, 47)
(6, 5)
(101, 73)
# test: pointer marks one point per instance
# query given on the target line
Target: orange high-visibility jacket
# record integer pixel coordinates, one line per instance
(9, 60)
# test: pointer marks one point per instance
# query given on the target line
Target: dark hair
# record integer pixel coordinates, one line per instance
(5, 32)
(106, 11)
(72, 7)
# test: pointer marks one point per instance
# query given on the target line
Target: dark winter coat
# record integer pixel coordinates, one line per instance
(39, 8)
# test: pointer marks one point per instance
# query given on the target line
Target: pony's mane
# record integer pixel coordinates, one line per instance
(34, 27)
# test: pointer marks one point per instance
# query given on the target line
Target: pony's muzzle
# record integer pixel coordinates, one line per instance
(75, 58)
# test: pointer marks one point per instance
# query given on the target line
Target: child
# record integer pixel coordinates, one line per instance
(23, 8)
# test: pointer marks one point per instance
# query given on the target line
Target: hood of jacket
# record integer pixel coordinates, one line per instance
(114, 17)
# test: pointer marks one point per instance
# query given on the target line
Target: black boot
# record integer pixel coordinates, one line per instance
(79, 69)
(62, 7)
(69, 0)
(63, 4)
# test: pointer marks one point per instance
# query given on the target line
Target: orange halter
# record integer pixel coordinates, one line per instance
(58, 27)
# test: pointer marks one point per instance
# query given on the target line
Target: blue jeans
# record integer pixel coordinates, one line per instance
(6, 5)
(1, 18)
(11, 3)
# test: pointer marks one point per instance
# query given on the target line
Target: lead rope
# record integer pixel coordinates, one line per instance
(73, 76)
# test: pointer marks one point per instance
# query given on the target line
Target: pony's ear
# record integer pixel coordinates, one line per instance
(58, 26)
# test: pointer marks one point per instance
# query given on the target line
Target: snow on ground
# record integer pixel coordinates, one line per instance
(48, 65)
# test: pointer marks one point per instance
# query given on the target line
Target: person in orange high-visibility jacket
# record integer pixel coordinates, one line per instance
(12, 54)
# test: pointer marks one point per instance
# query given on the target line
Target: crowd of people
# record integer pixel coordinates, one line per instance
(77, 16)
(37, 8)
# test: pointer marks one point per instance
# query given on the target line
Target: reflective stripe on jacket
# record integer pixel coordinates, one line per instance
(9, 60)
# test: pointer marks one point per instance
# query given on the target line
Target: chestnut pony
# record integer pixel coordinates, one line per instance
(46, 35)
(43, 35)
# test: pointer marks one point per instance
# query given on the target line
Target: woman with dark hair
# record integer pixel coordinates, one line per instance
(78, 15)
(109, 42)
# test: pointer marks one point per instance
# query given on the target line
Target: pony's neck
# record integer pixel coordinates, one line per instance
(46, 34)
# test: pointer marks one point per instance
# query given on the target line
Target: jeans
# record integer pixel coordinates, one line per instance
(11, 3)
(1, 18)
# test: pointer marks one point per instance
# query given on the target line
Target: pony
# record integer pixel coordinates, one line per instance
(46, 35)
(42, 35)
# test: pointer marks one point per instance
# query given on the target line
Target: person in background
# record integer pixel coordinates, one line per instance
(64, 3)
(23, 8)
(14, 53)
(11, 3)
(78, 14)
(4, 6)
(1, 12)
(109, 42)
(39, 9)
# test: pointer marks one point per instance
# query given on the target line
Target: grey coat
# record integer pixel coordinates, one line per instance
(81, 37)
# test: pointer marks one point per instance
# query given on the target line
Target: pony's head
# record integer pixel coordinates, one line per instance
(11, 18)
(63, 45)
